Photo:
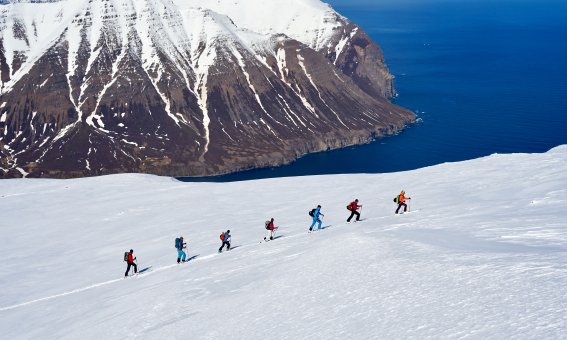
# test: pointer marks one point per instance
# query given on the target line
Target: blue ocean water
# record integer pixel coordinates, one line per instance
(484, 77)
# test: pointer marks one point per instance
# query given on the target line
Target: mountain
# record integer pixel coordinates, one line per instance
(184, 87)
(481, 256)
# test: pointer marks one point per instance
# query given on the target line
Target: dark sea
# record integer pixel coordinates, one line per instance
(483, 76)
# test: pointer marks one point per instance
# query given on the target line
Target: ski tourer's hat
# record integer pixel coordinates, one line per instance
(356, 200)
(131, 250)
(319, 206)
(228, 231)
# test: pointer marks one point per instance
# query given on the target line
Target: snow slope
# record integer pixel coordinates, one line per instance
(482, 256)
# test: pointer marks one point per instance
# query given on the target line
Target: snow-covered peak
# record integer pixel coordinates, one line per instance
(30, 28)
(310, 21)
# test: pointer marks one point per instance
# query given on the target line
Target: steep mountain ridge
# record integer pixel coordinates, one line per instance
(183, 87)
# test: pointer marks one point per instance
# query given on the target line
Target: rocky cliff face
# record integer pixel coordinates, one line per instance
(183, 87)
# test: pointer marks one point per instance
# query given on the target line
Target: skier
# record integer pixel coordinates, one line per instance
(130, 261)
(225, 238)
(180, 245)
(353, 207)
(401, 199)
(316, 213)
(271, 229)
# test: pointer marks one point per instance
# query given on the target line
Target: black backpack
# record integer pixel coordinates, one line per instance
(126, 256)
(312, 213)
(177, 242)
(268, 225)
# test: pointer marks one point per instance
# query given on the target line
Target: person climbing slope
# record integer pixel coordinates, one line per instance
(180, 245)
(401, 200)
(270, 229)
(130, 261)
(353, 207)
(225, 238)
(315, 213)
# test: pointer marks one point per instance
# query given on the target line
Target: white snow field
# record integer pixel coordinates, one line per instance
(483, 255)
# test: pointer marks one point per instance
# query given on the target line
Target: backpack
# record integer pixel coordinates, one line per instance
(312, 213)
(126, 256)
(222, 236)
(177, 243)
(268, 225)
(349, 207)
(396, 199)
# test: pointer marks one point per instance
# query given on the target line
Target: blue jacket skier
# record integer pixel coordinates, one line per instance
(316, 214)
(180, 245)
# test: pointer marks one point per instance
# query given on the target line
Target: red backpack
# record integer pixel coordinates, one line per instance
(222, 236)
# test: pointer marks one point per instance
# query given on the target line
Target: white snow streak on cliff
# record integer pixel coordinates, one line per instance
(284, 72)
(203, 58)
(242, 65)
(74, 41)
(150, 59)
(121, 30)
(302, 65)
(341, 45)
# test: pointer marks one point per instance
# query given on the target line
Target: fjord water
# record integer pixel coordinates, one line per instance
(483, 76)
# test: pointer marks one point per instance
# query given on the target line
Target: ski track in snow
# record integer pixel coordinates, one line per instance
(159, 269)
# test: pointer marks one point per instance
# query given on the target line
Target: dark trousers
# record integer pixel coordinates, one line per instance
(227, 245)
(402, 205)
(352, 213)
(131, 264)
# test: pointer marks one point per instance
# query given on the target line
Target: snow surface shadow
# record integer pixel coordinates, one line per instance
(468, 243)
(145, 269)
(192, 257)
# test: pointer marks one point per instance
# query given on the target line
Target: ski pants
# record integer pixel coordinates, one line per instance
(131, 264)
(402, 205)
(352, 213)
(181, 255)
(315, 220)
(270, 234)
(227, 245)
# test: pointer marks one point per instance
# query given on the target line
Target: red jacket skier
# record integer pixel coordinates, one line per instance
(130, 261)
(353, 207)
